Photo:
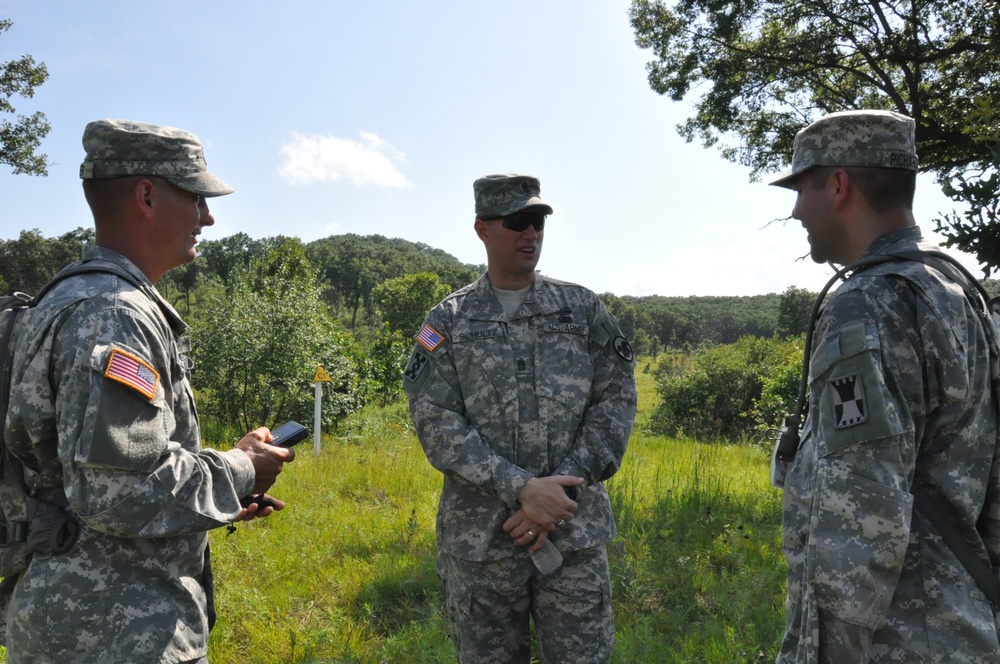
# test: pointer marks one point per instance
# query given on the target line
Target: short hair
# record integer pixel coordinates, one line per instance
(884, 189)
(107, 196)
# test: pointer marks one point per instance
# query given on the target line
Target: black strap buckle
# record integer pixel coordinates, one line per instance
(12, 532)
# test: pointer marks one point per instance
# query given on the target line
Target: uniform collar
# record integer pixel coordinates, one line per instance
(539, 300)
(174, 319)
(908, 235)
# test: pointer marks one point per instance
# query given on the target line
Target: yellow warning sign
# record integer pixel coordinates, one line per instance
(322, 376)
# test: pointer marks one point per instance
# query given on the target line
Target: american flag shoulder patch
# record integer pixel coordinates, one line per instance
(429, 338)
(132, 371)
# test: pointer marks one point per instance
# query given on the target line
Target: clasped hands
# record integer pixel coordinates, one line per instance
(544, 506)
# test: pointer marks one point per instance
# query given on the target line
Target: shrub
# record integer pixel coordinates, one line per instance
(727, 391)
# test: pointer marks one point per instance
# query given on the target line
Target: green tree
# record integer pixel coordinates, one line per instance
(224, 256)
(728, 391)
(185, 279)
(756, 71)
(794, 311)
(20, 139)
(403, 302)
(29, 261)
(257, 347)
(353, 266)
(634, 321)
(387, 353)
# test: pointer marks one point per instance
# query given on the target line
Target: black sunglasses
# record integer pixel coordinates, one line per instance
(519, 221)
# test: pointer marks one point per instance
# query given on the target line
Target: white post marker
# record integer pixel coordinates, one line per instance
(320, 377)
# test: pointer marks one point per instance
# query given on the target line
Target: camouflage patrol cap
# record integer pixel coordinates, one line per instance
(878, 139)
(505, 194)
(116, 148)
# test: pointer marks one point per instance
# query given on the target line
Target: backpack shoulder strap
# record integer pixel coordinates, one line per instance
(788, 443)
(85, 267)
(13, 307)
(931, 508)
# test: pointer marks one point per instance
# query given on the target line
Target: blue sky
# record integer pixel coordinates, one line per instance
(375, 117)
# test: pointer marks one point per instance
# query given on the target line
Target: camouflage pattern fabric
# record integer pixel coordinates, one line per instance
(899, 393)
(118, 148)
(493, 602)
(864, 138)
(506, 193)
(103, 411)
(497, 399)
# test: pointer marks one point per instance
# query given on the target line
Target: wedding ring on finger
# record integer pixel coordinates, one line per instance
(561, 522)
(531, 534)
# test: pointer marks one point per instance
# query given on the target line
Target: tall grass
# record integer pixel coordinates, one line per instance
(346, 572)
(697, 568)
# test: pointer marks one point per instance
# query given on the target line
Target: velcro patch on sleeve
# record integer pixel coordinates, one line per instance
(132, 371)
(429, 338)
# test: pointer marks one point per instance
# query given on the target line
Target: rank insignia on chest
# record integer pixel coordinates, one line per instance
(849, 406)
(429, 338)
(132, 371)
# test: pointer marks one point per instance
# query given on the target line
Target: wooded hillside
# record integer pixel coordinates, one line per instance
(349, 268)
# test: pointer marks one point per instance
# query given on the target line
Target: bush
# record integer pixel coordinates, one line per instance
(729, 391)
(259, 344)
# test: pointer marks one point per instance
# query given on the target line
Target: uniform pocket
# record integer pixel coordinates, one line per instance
(860, 538)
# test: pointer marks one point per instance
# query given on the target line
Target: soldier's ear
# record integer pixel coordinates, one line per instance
(142, 194)
(482, 229)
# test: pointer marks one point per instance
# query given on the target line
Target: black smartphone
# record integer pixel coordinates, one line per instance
(288, 434)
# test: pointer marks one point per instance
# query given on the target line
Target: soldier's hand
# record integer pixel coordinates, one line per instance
(544, 500)
(259, 507)
(524, 531)
(267, 459)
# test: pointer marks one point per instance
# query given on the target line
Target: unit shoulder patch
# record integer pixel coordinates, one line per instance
(623, 348)
(849, 406)
(416, 366)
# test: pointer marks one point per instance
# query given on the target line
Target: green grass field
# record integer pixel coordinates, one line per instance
(346, 572)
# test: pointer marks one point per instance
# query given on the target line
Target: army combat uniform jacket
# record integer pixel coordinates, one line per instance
(498, 399)
(102, 410)
(899, 394)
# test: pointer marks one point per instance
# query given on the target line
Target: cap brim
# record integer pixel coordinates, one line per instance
(203, 184)
(543, 206)
(785, 180)
(517, 206)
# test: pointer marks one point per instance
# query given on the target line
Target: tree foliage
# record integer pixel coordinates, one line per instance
(387, 353)
(29, 261)
(686, 323)
(21, 138)
(762, 69)
(353, 266)
(728, 391)
(403, 302)
(261, 342)
(635, 322)
(794, 311)
(224, 256)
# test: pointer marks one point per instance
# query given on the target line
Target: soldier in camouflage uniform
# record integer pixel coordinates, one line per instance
(102, 412)
(522, 392)
(899, 395)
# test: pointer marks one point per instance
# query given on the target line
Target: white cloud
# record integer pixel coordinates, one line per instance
(317, 158)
